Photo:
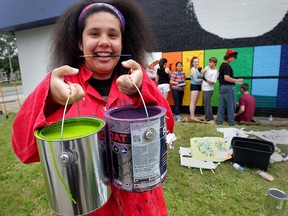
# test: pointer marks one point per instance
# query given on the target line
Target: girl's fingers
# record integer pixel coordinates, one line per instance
(76, 91)
(133, 65)
(64, 70)
(60, 90)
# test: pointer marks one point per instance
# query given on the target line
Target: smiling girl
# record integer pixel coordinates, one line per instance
(90, 45)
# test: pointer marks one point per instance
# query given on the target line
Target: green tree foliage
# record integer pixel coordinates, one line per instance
(8, 48)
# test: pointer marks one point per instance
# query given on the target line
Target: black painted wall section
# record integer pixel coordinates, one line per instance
(177, 29)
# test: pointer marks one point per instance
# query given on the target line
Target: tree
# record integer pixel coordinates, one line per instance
(8, 54)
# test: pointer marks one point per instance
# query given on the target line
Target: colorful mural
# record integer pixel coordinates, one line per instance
(208, 28)
(264, 68)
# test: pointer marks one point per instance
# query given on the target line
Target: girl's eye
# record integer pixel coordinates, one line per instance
(113, 35)
(95, 34)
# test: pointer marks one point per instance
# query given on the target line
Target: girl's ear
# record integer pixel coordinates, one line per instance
(80, 45)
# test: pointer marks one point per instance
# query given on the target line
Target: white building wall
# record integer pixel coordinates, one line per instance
(33, 53)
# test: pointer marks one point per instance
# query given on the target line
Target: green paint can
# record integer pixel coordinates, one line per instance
(75, 165)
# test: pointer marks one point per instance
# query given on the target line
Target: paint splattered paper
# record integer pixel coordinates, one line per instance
(209, 149)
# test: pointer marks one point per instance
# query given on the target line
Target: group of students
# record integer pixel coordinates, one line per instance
(204, 80)
(165, 78)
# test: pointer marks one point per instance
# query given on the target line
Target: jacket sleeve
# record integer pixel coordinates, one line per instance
(152, 96)
(29, 118)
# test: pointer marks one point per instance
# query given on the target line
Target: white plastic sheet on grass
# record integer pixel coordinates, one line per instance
(274, 136)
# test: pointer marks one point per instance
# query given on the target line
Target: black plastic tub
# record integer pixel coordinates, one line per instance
(252, 153)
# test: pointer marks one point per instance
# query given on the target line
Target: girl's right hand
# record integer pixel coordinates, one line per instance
(60, 90)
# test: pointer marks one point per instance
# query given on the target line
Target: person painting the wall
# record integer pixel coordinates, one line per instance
(227, 99)
(210, 76)
(163, 77)
(195, 87)
(177, 81)
(87, 45)
(247, 105)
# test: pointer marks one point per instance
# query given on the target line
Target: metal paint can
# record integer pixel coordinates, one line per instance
(138, 147)
(75, 166)
(275, 203)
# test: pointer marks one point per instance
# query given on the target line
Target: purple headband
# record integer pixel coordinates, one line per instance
(114, 9)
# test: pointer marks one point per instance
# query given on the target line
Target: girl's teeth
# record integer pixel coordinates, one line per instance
(103, 54)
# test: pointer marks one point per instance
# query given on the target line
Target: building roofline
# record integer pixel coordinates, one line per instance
(16, 15)
(30, 25)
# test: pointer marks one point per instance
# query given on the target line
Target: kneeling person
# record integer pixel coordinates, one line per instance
(247, 105)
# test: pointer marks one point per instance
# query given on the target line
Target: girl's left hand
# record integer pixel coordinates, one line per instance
(125, 82)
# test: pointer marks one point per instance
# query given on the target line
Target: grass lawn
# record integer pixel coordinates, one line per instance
(187, 192)
(12, 83)
(227, 192)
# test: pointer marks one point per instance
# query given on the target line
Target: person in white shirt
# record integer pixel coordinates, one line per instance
(210, 75)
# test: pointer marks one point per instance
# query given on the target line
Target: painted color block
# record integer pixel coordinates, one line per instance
(264, 87)
(172, 58)
(266, 63)
(284, 61)
(282, 96)
(266, 60)
(215, 96)
(170, 98)
(187, 94)
(265, 101)
(243, 65)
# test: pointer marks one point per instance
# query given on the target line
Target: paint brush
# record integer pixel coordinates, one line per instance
(111, 55)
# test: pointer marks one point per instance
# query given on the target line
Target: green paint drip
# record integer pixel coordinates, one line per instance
(59, 175)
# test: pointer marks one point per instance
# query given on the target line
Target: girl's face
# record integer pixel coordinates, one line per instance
(179, 67)
(101, 35)
(196, 62)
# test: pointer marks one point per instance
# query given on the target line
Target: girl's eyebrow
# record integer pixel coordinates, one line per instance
(98, 29)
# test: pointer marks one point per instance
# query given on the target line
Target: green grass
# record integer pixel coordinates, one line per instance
(227, 191)
(187, 192)
(22, 186)
(17, 83)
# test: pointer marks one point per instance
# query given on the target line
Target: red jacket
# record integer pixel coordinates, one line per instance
(37, 112)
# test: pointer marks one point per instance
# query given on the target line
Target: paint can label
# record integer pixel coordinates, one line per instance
(146, 151)
(138, 148)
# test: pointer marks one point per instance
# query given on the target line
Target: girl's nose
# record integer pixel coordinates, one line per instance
(104, 41)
